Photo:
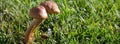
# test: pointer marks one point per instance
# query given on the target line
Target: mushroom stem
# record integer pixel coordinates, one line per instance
(30, 31)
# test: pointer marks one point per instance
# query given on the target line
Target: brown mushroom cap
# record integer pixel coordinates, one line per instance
(51, 7)
(38, 12)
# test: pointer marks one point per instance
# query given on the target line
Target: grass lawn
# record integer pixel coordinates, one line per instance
(80, 22)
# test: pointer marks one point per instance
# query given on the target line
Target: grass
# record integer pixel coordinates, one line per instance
(80, 22)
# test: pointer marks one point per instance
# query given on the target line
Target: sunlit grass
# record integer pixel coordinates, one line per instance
(80, 22)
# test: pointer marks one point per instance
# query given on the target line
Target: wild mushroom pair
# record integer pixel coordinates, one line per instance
(39, 14)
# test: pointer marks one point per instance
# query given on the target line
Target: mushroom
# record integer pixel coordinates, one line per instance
(39, 14)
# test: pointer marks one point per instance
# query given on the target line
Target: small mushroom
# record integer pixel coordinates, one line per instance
(39, 14)
(51, 7)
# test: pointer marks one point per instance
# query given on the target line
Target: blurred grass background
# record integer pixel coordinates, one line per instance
(80, 22)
